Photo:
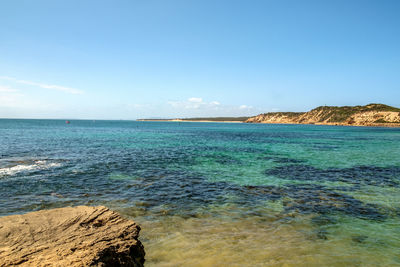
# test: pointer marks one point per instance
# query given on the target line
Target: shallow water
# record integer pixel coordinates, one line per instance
(217, 194)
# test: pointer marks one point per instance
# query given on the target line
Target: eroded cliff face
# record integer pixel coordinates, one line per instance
(78, 236)
(276, 117)
(374, 117)
(369, 115)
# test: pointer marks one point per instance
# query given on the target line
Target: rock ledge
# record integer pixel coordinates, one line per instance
(73, 236)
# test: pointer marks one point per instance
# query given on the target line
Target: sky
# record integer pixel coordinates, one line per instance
(184, 58)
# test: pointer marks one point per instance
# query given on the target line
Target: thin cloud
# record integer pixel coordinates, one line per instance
(10, 97)
(46, 86)
(191, 103)
(196, 100)
(196, 106)
(6, 89)
(245, 107)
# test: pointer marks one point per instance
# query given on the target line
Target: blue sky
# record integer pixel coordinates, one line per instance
(166, 58)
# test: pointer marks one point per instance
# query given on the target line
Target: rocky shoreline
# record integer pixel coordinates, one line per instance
(71, 236)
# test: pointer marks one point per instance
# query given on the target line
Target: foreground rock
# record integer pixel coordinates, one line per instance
(78, 236)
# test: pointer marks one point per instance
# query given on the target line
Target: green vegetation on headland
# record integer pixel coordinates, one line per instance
(368, 115)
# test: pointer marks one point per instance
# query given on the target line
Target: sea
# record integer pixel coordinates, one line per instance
(218, 194)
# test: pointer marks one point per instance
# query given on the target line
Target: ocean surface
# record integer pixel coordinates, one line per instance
(218, 194)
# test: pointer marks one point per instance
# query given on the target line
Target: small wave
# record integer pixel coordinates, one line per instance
(37, 165)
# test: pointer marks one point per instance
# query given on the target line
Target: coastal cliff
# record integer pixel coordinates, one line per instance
(369, 115)
(78, 236)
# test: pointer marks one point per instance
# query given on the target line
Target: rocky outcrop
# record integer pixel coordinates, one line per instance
(73, 236)
(369, 115)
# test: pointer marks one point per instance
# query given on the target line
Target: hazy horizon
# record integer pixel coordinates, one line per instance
(179, 59)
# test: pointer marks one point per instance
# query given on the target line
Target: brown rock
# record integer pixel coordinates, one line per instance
(78, 236)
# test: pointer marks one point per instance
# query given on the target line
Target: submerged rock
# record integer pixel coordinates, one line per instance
(73, 236)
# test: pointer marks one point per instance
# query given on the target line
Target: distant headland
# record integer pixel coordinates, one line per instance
(205, 119)
(368, 115)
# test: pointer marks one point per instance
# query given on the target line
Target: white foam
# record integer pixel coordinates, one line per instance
(37, 165)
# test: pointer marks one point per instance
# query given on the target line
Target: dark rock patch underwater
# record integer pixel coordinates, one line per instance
(358, 175)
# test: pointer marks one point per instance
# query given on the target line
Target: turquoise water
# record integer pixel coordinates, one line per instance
(217, 194)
